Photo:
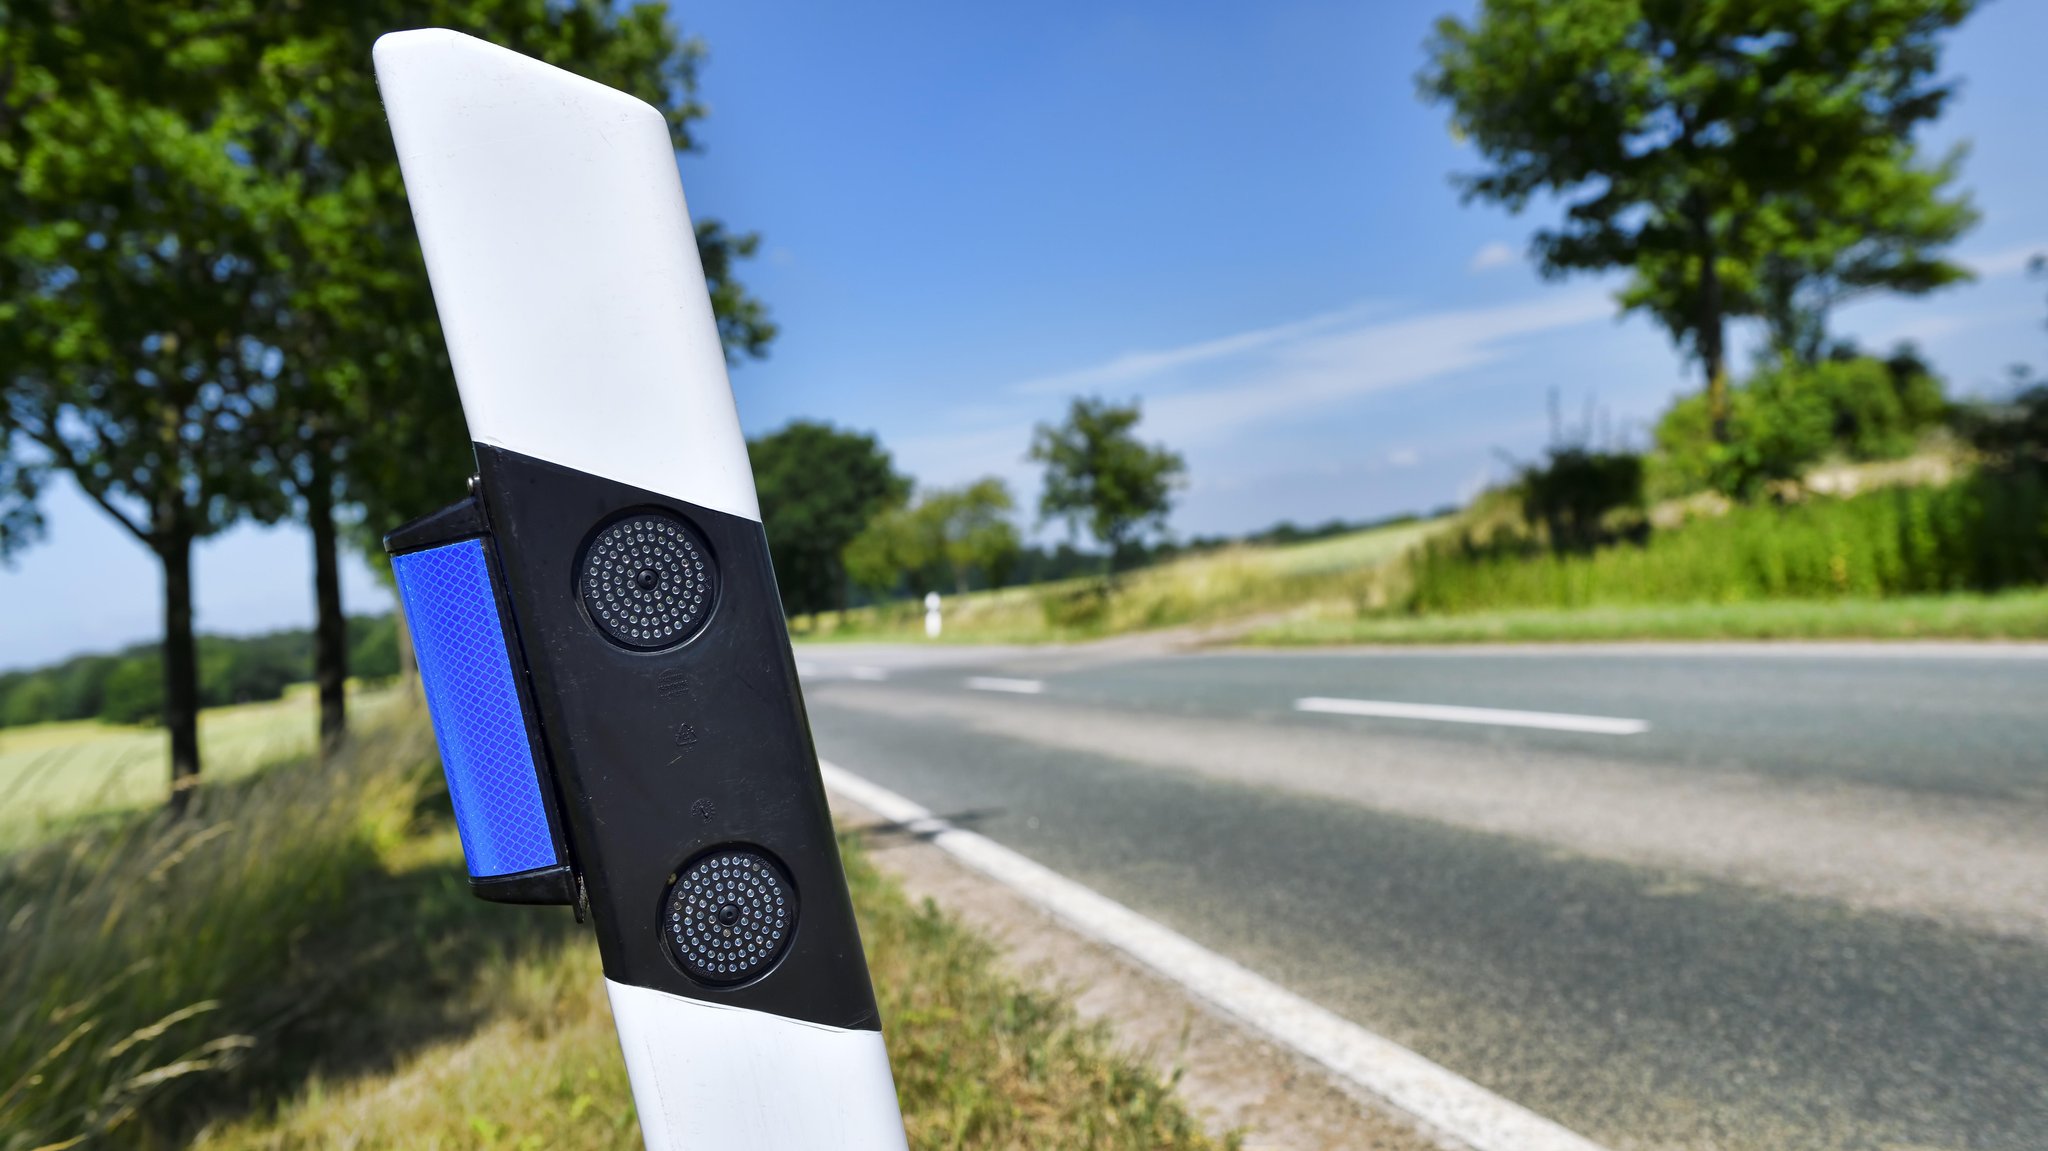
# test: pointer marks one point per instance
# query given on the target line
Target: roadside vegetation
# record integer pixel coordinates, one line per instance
(1231, 587)
(297, 963)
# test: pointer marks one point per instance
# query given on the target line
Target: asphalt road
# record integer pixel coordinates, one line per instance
(1806, 908)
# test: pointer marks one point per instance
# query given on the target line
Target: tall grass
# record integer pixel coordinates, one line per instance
(142, 956)
(1983, 534)
(298, 964)
(982, 1063)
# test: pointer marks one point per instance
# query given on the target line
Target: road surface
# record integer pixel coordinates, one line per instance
(1673, 897)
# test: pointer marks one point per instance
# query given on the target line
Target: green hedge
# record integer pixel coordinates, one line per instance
(1986, 533)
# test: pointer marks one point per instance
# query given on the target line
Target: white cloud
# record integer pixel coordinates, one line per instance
(1494, 255)
(1221, 390)
(1298, 376)
(2006, 261)
(1129, 366)
(1403, 458)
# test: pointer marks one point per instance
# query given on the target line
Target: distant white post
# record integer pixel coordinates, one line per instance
(932, 625)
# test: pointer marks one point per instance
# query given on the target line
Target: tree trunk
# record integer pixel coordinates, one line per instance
(180, 659)
(1711, 338)
(330, 626)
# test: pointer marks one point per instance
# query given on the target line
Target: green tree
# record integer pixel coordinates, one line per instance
(819, 487)
(1879, 230)
(894, 548)
(213, 300)
(1740, 157)
(977, 531)
(1099, 475)
(135, 301)
(1790, 415)
(368, 417)
(950, 535)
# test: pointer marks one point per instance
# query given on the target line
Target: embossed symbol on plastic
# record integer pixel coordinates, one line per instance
(648, 581)
(729, 915)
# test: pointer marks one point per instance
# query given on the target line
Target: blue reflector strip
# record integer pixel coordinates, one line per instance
(460, 644)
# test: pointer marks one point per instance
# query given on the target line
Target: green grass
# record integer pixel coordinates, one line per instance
(298, 964)
(1232, 584)
(2008, 616)
(1984, 533)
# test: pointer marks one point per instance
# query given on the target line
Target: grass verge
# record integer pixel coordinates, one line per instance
(1348, 571)
(299, 965)
(2008, 616)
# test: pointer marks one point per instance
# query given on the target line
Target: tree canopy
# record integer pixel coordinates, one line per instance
(1099, 475)
(1740, 158)
(212, 304)
(819, 487)
(949, 537)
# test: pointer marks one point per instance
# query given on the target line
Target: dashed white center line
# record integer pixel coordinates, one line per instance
(1013, 686)
(1499, 717)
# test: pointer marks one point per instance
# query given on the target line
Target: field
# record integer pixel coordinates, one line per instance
(1229, 586)
(54, 773)
(298, 964)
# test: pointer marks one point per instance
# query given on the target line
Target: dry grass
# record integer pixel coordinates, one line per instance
(980, 1062)
(1353, 572)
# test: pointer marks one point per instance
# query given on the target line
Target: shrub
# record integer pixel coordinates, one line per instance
(1790, 415)
(2013, 435)
(1574, 494)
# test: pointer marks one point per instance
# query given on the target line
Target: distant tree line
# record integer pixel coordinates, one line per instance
(127, 686)
(845, 527)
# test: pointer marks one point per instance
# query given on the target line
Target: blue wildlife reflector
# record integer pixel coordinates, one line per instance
(458, 639)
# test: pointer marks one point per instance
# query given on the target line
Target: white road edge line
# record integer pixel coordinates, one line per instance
(1432, 1093)
(868, 674)
(1448, 713)
(1013, 686)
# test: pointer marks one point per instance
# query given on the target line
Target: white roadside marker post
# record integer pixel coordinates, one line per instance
(597, 625)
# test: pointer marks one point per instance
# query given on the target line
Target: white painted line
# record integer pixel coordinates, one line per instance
(1447, 713)
(1432, 1093)
(1013, 686)
(869, 674)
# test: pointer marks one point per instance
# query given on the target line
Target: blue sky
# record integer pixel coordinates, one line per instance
(1238, 213)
